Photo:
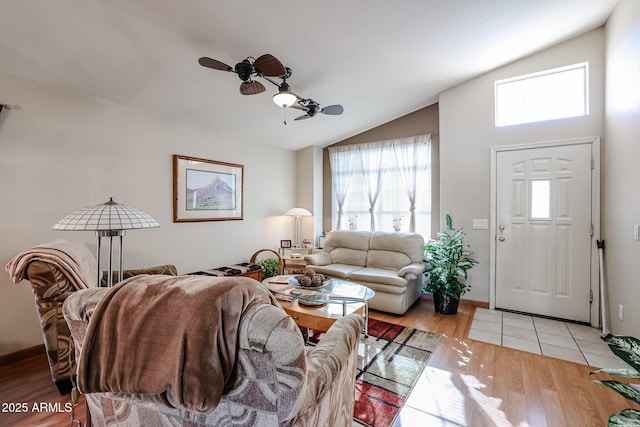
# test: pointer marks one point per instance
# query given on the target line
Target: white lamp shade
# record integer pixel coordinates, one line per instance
(106, 216)
(298, 212)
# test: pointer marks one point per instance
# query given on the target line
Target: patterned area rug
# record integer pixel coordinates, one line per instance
(390, 361)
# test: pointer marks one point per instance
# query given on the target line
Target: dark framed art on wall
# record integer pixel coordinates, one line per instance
(285, 244)
(207, 190)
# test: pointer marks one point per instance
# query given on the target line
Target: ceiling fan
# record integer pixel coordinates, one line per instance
(312, 108)
(268, 67)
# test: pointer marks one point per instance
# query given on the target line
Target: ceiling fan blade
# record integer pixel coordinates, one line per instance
(306, 116)
(333, 110)
(268, 65)
(251, 88)
(298, 107)
(214, 63)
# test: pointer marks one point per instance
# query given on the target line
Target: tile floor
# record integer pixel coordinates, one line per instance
(562, 340)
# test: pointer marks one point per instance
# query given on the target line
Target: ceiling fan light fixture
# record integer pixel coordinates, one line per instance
(284, 98)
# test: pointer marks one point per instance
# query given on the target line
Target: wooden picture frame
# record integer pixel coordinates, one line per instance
(207, 190)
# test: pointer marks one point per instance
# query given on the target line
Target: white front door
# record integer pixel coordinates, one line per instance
(543, 231)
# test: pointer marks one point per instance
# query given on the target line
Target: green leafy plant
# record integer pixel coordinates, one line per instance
(269, 266)
(448, 260)
(627, 349)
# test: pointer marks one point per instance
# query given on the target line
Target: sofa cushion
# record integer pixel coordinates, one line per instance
(340, 271)
(381, 289)
(321, 258)
(347, 239)
(387, 259)
(411, 244)
(349, 256)
(377, 275)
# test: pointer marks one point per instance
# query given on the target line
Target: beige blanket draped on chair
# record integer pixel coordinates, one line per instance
(74, 260)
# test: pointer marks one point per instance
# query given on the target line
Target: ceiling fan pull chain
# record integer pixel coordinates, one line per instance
(284, 113)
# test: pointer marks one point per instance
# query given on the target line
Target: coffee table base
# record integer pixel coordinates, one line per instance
(320, 318)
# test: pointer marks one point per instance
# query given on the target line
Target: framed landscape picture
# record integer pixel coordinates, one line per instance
(206, 190)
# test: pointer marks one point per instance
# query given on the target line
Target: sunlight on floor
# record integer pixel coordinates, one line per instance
(436, 394)
(442, 399)
(445, 399)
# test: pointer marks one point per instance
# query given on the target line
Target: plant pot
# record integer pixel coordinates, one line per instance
(445, 304)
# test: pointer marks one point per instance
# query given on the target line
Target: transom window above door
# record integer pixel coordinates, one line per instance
(552, 94)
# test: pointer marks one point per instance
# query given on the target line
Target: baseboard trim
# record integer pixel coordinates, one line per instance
(25, 353)
(542, 316)
(480, 304)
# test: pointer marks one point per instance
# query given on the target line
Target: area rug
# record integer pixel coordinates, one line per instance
(390, 362)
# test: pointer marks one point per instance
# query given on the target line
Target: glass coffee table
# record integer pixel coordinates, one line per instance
(318, 307)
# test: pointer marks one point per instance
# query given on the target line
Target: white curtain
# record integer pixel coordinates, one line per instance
(373, 167)
(342, 160)
(414, 159)
(386, 181)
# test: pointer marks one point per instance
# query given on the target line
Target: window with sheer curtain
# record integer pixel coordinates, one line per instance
(382, 186)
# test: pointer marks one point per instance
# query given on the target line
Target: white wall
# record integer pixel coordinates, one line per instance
(62, 151)
(467, 133)
(309, 190)
(621, 193)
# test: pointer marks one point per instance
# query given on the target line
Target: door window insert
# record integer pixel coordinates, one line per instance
(541, 199)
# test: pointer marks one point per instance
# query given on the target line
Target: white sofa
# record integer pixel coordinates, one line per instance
(389, 263)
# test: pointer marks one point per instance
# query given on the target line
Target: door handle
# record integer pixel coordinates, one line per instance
(501, 229)
(501, 238)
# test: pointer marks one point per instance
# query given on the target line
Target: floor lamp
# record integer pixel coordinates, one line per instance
(298, 213)
(110, 220)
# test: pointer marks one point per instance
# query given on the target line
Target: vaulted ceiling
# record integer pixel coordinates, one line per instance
(379, 59)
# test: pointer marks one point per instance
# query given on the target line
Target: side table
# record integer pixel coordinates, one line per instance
(247, 269)
(292, 264)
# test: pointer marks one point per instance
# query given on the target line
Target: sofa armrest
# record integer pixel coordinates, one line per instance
(168, 269)
(51, 288)
(412, 271)
(321, 258)
(78, 309)
(331, 371)
(48, 282)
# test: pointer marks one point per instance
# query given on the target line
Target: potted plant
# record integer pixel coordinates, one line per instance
(448, 261)
(269, 266)
(627, 349)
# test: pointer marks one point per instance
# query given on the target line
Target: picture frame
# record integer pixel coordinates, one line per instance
(285, 244)
(207, 190)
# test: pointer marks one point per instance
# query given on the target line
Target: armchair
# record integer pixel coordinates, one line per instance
(158, 370)
(55, 271)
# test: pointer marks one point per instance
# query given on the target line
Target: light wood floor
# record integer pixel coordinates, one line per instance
(471, 383)
(466, 383)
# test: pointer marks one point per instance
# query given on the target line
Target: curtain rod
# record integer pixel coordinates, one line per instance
(356, 143)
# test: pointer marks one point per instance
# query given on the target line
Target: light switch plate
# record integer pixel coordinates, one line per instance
(480, 224)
